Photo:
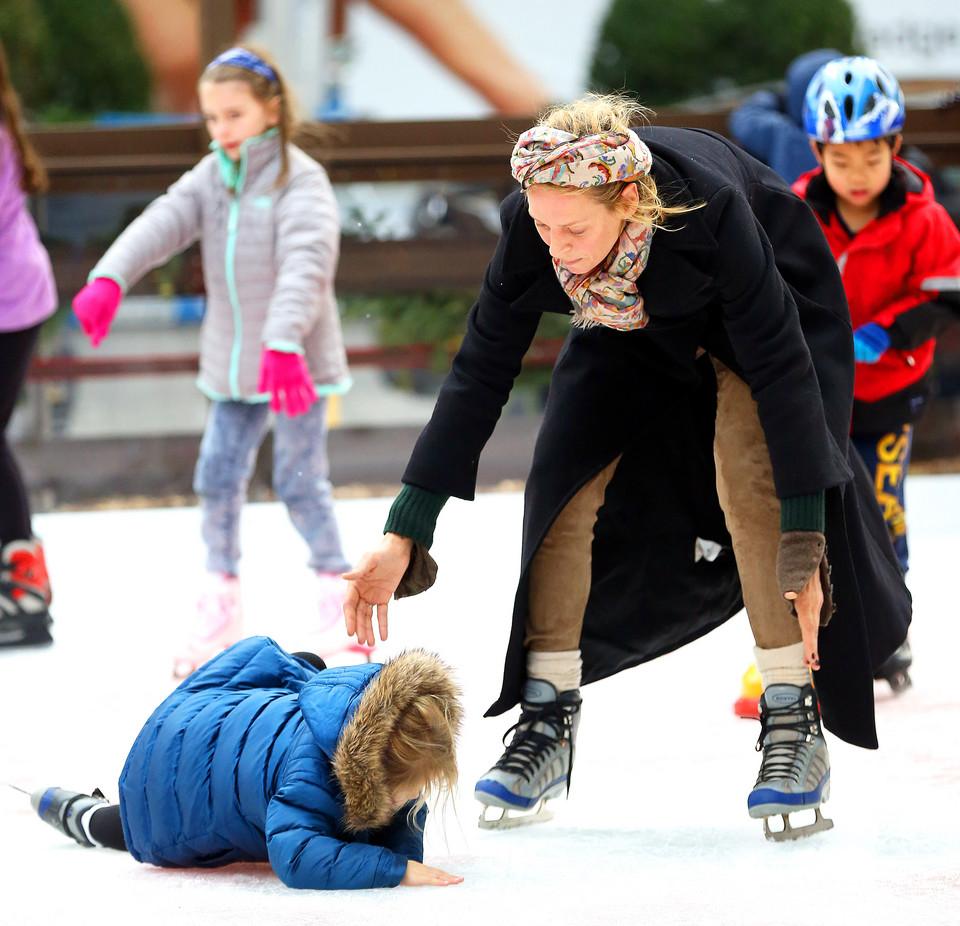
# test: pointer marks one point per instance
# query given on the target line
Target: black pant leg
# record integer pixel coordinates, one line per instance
(106, 828)
(16, 348)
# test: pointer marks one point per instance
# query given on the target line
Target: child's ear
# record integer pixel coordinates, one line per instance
(897, 143)
(815, 148)
(273, 111)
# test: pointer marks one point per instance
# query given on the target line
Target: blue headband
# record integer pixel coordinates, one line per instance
(241, 58)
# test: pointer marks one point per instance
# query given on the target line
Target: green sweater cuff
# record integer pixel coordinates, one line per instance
(414, 514)
(803, 513)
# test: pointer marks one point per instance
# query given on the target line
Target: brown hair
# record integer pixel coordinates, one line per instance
(422, 752)
(596, 113)
(263, 90)
(33, 178)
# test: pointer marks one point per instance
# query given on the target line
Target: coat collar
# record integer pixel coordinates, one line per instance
(255, 154)
(905, 185)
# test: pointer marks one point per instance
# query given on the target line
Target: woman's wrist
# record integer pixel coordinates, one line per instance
(414, 514)
(397, 543)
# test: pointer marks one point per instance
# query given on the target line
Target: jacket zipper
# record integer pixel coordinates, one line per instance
(229, 257)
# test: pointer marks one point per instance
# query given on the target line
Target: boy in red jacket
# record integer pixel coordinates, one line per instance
(899, 255)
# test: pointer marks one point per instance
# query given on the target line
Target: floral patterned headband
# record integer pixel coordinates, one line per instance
(547, 155)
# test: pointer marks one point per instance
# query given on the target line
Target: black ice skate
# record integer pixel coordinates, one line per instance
(795, 771)
(63, 809)
(536, 765)
(24, 595)
(894, 670)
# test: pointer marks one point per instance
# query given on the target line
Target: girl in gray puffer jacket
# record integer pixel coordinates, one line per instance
(267, 220)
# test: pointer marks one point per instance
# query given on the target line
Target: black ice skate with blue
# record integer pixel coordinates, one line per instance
(536, 764)
(795, 771)
(62, 809)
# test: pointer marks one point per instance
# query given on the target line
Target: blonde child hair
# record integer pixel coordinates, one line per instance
(422, 752)
(406, 727)
(598, 113)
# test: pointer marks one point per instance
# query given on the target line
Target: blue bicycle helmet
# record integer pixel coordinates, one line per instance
(852, 99)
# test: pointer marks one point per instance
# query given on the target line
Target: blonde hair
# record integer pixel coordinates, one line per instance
(33, 177)
(421, 751)
(264, 90)
(597, 113)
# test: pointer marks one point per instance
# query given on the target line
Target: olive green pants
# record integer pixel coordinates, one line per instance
(560, 573)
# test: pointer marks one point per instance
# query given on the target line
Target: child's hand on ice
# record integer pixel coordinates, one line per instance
(418, 874)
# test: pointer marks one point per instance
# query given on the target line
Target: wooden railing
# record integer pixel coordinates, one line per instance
(94, 160)
(401, 357)
(99, 160)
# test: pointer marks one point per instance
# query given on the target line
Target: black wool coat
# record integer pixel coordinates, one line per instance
(748, 277)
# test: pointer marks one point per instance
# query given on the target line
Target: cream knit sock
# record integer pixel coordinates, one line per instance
(782, 665)
(562, 669)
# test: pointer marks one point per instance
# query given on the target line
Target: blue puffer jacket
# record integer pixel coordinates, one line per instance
(258, 756)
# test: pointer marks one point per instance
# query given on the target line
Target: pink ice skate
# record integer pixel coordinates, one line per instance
(218, 624)
(330, 639)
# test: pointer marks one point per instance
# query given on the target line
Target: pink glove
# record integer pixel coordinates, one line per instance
(287, 379)
(95, 305)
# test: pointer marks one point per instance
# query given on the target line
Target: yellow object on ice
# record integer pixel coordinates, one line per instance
(748, 704)
(752, 687)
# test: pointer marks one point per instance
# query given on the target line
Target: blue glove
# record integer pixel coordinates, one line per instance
(869, 342)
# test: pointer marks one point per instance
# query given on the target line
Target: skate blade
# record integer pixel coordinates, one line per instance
(511, 819)
(820, 824)
(899, 682)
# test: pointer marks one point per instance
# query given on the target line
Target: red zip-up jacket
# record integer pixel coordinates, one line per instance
(901, 271)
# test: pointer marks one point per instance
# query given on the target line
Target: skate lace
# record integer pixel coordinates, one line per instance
(784, 758)
(530, 749)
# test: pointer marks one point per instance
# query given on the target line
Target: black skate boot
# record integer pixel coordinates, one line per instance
(894, 669)
(795, 771)
(24, 595)
(63, 810)
(537, 764)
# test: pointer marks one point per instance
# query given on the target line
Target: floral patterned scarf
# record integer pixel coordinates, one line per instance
(607, 295)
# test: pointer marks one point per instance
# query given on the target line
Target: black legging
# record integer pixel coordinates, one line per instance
(106, 828)
(16, 348)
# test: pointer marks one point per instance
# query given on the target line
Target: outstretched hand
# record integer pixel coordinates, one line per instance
(371, 584)
(418, 874)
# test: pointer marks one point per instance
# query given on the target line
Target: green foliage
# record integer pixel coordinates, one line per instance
(667, 52)
(438, 317)
(25, 36)
(71, 59)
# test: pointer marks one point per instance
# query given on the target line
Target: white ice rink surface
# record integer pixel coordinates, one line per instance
(656, 830)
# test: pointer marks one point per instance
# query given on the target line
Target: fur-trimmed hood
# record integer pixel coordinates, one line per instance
(358, 761)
